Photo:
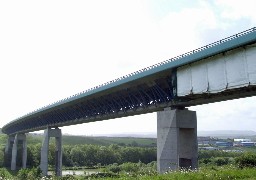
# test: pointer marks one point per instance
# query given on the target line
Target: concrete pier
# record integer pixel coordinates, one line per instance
(45, 150)
(24, 152)
(18, 137)
(176, 140)
(14, 152)
(9, 144)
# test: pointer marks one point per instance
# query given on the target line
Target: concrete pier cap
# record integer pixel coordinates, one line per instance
(176, 139)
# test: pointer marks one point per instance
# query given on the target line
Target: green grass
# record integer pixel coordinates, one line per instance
(206, 174)
(225, 172)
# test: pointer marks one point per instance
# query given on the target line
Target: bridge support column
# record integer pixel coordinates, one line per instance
(9, 144)
(8, 151)
(24, 152)
(19, 137)
(45, 150)
(176, 140)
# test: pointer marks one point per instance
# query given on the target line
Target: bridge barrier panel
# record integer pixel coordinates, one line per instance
(216, 74)
(199, 81)
(233, 69)
(251, 63)
(236, 68)
(184, 85)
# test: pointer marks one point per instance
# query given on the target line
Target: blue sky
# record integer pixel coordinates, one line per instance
(50, 50)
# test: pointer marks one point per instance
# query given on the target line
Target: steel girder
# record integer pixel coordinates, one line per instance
(159, 91)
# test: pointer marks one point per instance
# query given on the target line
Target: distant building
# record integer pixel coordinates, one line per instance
(205, 140)
(209, 148)
(240, 142)
(247, 144)
(224, 144)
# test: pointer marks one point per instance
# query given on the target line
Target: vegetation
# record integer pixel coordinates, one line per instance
(211, 172)
(141, 171)
(247, 159)
(131, 158)
(92, 155)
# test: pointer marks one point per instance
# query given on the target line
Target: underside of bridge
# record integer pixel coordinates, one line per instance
(138, 97)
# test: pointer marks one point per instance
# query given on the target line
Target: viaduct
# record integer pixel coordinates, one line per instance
(220, 71)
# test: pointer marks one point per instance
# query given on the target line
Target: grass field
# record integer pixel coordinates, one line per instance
(209, 174)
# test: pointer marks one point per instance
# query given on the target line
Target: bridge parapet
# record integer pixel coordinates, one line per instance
(233, 69)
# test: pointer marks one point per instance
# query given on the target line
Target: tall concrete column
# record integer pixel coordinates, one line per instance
(45, 150)
(8, 151)
(9, 142)
(19, 137)
(44, 153)
(14, 152)
(58, 156)
(176, 140)
(24, 152)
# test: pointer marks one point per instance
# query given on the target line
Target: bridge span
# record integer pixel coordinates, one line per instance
(220, 71)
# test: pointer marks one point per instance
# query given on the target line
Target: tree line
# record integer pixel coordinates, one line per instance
(87, 155)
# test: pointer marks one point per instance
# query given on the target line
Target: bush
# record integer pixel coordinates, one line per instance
(113, 168)
(23, 174)
(68, 177)
(130, 167)
(34, 173)
(205, 160)
(102, 175)
(4, 174)
(220, 161)
(248, 159)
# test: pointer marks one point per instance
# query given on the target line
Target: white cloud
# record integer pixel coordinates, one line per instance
(182, 29)
(237, 10)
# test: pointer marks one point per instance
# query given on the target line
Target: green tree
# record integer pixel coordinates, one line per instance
(2, 158)
(106, 156)
(247, 159)
(51, 154)
(66, 156)
(34, 154)
(91, 152)
(77, 156)
(130, 154)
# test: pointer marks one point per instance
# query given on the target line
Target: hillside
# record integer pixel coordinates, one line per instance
(227, 133)
(101, 140)
(125, 140)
